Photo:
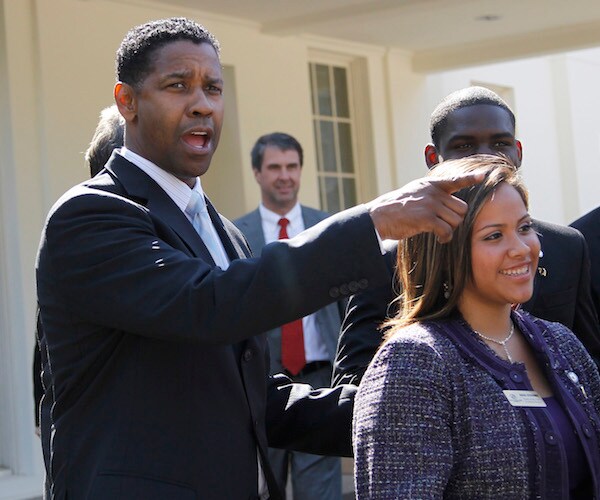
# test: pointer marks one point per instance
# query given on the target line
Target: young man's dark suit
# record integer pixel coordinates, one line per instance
(123, 283)
(561, 293)
(589, 225)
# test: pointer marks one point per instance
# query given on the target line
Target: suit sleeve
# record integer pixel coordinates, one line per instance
(301, 418)
(402, 424)
(361, 333)
(585, 322)
(116, 265)
(38, 389)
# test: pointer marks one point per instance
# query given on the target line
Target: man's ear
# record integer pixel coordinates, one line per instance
(125, 100)
(519, 152)
(432, 158)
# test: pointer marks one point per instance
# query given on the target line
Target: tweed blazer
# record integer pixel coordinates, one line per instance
(431, 420)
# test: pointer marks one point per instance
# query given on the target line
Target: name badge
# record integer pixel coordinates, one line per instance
(529, 399)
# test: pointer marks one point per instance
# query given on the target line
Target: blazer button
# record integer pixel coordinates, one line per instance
(344, 290)
(573, 377)
(363, 283)
(516, 376)
(334, 292)
(353, 286)
(550, 438)
(248, 355)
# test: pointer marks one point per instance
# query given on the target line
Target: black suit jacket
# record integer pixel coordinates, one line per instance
(589, 225)
(561, 293)
(158, 377)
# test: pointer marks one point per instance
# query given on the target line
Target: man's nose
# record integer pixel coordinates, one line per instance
(200, 104)
(485, 149)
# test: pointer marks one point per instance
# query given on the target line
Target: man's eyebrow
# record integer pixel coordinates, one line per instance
(182, 73)
(503, 134)
(214, 79)
(460, 137)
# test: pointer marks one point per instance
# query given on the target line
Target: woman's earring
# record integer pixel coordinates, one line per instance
(541, 253)
(446, 289)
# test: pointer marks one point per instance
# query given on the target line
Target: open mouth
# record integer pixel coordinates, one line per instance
(197, 139)
(517, 271)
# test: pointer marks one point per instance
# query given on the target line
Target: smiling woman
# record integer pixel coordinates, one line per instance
(460, 401)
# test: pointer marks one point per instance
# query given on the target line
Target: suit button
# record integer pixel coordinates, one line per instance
(344, 290)
(550, 437)
(353, 285)
(363, 283)
(334, 292)
(248, 355)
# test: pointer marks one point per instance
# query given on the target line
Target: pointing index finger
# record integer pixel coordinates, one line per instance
(454, 184)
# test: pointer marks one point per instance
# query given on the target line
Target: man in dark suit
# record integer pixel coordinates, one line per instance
(157, 370)
(472, 121)
(589, 225)
(107, 136)
(277, 161)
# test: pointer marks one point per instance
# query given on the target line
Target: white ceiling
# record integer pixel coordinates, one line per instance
(439, 33)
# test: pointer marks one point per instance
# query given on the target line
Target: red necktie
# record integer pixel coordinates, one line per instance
(293, 358)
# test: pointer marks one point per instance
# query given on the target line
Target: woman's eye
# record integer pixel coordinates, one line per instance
(493, 236)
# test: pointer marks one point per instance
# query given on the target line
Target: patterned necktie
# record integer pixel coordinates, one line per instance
(293, 357)
(198, 212)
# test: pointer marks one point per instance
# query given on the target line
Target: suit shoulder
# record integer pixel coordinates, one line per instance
(245, 219)
(314, 213)
(558, 233)
(92, 195)
(588, 222)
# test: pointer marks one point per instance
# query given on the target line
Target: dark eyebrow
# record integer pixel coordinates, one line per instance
(463, 137)
(212, 81)
(184, 73)
(490, 226)
(503, 135)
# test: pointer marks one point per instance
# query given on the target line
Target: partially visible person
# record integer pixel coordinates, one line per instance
(153, 307)
(305, 348)
(468, 398)
(107, 137)
(471, 121)
(589, 225)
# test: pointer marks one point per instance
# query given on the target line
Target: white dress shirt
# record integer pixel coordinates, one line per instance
(180, 193)
(314, 347)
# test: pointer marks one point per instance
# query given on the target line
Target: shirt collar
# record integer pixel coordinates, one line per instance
(294, 215)
(177, 190)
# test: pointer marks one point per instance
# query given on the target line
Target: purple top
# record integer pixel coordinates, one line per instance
(574, 454)
(432, 420)
(565, 462)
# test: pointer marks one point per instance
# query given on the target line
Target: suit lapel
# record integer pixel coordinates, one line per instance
(143, 189)
(232, 248)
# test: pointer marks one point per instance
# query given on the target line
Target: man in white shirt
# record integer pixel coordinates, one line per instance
(277, 160)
